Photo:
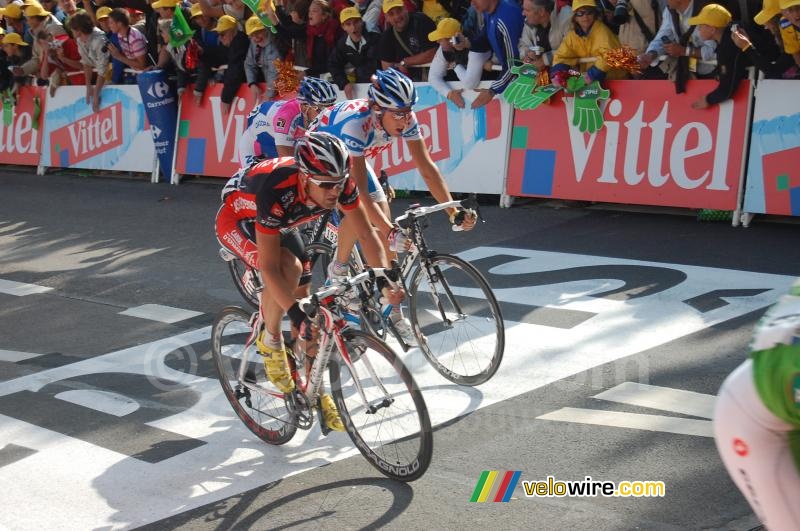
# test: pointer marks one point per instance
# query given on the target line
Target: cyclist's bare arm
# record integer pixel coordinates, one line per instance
(433, 177)
(358, 170)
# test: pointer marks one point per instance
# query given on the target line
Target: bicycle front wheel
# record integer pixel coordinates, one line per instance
(239, 273)
(456, 319)
(382, 408)
(260, 405)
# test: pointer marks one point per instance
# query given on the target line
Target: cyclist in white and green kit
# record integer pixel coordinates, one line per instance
(757, 418)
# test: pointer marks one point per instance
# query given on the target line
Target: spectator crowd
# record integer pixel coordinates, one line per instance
(63, 42)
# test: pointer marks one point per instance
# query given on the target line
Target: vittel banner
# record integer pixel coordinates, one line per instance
(114, 138)
(654, 148)
(20, 138)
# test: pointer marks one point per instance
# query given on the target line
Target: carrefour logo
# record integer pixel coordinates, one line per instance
(159, 89)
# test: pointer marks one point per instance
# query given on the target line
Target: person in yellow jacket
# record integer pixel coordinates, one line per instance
(582, 46)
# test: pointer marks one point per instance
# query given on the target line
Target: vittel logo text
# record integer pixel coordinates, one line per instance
(19, 137)
(89, 136)
(652, 150)
(433, 127)
(228, 128)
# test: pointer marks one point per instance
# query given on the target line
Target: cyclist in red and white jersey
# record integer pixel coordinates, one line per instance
(273, 126)
(757, 418)
(284, 193)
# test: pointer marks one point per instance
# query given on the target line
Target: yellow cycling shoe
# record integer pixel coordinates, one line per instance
(276, 366)
(330, 413)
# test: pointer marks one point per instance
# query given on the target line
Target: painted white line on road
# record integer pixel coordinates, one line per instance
(103, 401)
(20, 289)
(663, 398)
(161, 313)
(14, 356)
(636, 421)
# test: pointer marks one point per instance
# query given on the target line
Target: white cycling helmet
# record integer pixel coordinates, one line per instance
(316, 91)
(319, 153)
(391, 89)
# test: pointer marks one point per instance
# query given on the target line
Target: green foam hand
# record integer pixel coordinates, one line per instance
(586, 114)
(522, 86)
(539, 96)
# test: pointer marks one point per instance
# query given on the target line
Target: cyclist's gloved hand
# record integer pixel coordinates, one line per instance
(463, 219)
(390, 294)
(398, 240)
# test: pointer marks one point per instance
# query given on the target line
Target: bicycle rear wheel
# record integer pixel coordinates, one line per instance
(391, 429)
(260, 405)
(239, 270)
(456, 319)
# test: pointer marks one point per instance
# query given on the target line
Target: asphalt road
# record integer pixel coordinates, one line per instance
(653, 304)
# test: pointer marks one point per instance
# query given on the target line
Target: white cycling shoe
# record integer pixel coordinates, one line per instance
(403, 327)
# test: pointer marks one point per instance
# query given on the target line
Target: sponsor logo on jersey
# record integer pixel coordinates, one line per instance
(242, 203)
(280, 123)
(277, 211)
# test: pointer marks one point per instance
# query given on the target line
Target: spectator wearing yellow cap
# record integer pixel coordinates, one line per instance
(769, 54)
(16, 23)
(587, 39)
(38, 20)
(55, 10)
(14, 48)
(259, 64)
(236, 44)
(405, 44)
(714, 23)
(355, 57)
(450, 63)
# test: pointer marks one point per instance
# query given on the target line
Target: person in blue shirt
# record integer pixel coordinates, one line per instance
(502, 28)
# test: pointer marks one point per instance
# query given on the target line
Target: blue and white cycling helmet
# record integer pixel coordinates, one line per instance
(316, 91)
(391, 89)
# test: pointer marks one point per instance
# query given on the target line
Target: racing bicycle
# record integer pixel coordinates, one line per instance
(382, 408)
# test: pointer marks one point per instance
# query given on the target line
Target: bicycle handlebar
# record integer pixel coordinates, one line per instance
(404, 221)
(312, 303)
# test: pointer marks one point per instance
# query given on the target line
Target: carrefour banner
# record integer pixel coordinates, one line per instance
(21, 126)
(773, 171)
(654, 148)
(161, 104)
(114, 138)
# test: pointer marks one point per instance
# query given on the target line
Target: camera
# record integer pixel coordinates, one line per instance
(621, 15)
(734, 28)
(537, 50)
(55, 44)
(455, 40)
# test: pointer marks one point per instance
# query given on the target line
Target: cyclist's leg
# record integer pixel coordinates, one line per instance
(293, 242)
(754, 446)
(230, 235)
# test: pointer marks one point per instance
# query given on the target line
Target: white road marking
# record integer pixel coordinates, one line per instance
(70, 483)
(103, 401)
(14, 356)
(663, 398)
(161, 313)
(636, 421)
(20, 289)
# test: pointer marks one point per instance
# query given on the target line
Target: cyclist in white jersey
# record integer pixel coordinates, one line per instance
(368, 126)
(273, 126)
(757, 418)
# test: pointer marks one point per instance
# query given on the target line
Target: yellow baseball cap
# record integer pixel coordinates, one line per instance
(769, 10)
(102, 12)
(577, 4)
(36, 11)
(14, 38)
(13, 11)
(446, 28)
(196, 11)
(2, 31)
(225, 23)
(786, 4)
(389, 4)
(165, 3)
(348, 13)
(253, 25)
(712, 15)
